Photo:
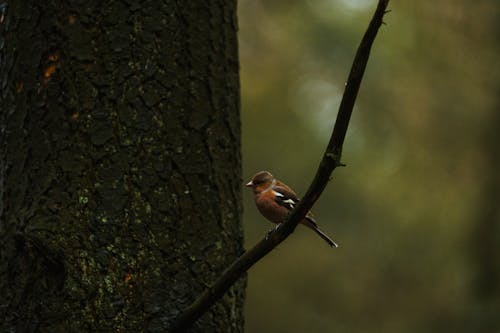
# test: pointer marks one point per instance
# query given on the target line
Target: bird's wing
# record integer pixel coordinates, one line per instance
(285, 197)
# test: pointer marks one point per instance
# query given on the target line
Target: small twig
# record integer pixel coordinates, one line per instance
(331, 160)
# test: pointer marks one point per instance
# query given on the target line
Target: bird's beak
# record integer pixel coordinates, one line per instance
(249, 184)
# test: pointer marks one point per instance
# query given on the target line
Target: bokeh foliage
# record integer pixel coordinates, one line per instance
(417, 248)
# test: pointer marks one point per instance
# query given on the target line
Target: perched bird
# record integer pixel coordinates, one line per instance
(275, 200)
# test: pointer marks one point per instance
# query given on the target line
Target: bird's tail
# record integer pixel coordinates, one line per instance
(325, 237)
(311, 223)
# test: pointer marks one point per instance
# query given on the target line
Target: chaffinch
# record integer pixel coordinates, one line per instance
(275, 200)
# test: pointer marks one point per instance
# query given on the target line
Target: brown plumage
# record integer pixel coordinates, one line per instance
(275, 200)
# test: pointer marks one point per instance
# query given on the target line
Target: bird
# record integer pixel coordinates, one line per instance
(274, 200)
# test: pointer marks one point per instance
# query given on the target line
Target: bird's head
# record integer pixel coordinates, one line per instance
(260, 181)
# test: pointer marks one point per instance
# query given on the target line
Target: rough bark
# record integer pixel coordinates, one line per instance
(120, 192)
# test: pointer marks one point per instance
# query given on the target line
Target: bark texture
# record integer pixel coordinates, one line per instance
(120, 175)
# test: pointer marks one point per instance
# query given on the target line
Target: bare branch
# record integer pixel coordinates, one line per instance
(331, 160)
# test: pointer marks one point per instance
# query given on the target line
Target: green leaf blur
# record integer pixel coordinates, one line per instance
(417, 209)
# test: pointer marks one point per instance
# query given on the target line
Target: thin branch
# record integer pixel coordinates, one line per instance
(331, 160)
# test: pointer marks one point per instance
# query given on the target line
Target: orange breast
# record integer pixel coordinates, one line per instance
(270, 209)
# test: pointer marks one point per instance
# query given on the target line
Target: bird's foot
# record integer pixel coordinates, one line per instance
(272, 230)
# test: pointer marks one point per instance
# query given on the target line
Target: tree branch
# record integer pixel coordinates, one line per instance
(331, 160)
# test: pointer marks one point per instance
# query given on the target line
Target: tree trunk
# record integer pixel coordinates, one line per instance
(120, 194)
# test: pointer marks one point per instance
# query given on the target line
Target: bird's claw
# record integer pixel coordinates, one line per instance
(268, 234)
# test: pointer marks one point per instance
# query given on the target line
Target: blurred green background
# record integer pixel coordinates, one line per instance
(416, 209)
